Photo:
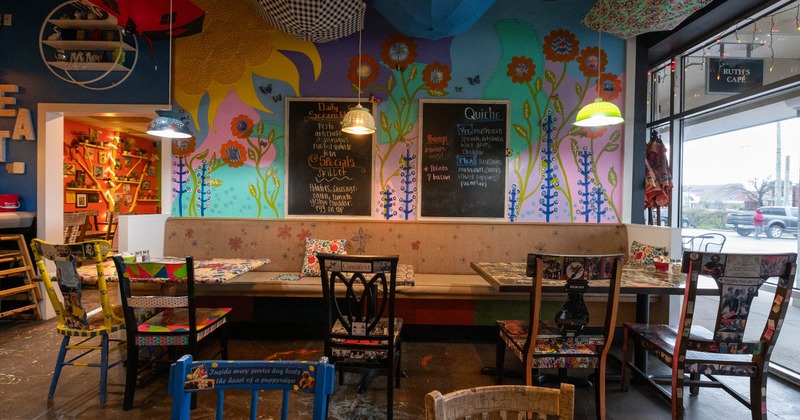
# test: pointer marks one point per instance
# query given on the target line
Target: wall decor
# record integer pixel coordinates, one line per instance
(69, 197)
(69, 169)
(146, 185)
(81, 200)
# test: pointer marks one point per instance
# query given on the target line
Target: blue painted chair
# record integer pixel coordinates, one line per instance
(187, 377)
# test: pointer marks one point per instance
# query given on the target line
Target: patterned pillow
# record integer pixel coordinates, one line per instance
(315, 246)
(644, 254)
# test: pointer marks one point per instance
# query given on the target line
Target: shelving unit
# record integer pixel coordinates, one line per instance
(19, 295)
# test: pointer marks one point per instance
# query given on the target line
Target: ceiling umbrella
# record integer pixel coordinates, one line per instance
(432, 19)
(150, 18)
(626, 18)
(314, 20)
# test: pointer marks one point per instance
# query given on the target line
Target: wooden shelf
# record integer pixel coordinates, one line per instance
(82, 189)
(134, 156)
(84, 24)
(94, 146)
(83, 66)
(150, 199)
(125, 182)
(88, 45)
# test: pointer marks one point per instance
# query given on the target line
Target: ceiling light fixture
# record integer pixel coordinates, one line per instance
(599, 113)
(168, 124)
(358, 119)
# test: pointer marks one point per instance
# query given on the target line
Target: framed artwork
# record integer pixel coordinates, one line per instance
(69, 197)
(89, 154)
(117, 197)
(146, 185)
(151, 171)
(81, 200)
(117, 165)
(94, 197)
(98, 172)
(80, 177)
(126, 188)
(128, 162)
(128, 200)
(102, 158)
(69, 169)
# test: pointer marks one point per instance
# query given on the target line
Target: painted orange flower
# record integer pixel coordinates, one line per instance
(368, 72)
(561, 46)
(233, 153)
(242, 126)
(399, 51)
(589, 61)
(610, 86)
(593, 132)
(436, 75)
(183, 147)
(521, 69)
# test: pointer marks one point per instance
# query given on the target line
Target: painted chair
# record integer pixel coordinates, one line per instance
(361, 330)
(691, 350)
(562, 342)
(502, 401)
(180, 323)
(74, 227)
(188, 377)
(75, 320)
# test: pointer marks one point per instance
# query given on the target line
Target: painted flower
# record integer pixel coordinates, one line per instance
(521, 69)
(399, 51)
(368, 72)
(242, 126)
(285, 232)
(561, 46)
(190, 233)
(415, 245)
(183, 147)
(233, 153)
(589, 61)
(305, 233)
(235, 243)
(436, 75)
(593, 132)
(610, 86)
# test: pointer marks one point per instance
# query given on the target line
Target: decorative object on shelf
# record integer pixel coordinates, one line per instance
(146, 185)
(358, 119)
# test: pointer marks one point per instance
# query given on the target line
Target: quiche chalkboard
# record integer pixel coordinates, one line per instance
(463, 158)
(328, 172)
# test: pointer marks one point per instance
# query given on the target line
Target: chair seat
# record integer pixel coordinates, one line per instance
(177, 320)
(552, 349)
(660, 340)
(360, 349)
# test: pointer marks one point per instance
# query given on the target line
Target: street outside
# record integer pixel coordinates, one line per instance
(749, 244)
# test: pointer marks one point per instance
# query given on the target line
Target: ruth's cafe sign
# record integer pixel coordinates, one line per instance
(734, 75)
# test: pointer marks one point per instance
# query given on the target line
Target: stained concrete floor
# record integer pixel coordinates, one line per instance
(28, 350)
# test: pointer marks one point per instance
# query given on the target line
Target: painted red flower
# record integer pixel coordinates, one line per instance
(399, 51)
(242, 126)
(589, 61)
(304, 234)
(415, 245)
(233, 153)
(285, 232)
(521, 69)
(561, 46)
(368, 72)
(235, 243)
(593, 132)
(190, 233)
(610, 86)
(183, 147)
(436, 75)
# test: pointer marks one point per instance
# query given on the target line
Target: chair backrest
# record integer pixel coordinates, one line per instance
(74, 227)
(493, 401)
(739, 278)
(578, 273)
(706, 242)
(71, 311)
(188, 376)
(358, 290)
(157, 272)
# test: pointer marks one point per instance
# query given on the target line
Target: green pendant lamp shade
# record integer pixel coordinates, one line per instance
(599, 113)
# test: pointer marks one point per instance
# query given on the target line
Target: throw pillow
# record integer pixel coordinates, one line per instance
(644, 254)
(315, 246)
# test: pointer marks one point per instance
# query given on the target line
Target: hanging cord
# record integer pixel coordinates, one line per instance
(599, 62)
(169, 76)
(358, 70)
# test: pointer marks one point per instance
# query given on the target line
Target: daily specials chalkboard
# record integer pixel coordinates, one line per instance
(328, 172)
(463, 157)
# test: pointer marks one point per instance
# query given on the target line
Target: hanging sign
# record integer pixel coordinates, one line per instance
(734, 75)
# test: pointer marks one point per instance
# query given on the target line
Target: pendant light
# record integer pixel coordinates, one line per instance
(168, 124)
(599, 113)
(358, 119)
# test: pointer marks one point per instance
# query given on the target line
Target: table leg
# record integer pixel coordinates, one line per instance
(642, 317)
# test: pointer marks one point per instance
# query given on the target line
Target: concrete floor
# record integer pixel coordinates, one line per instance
(28, 350)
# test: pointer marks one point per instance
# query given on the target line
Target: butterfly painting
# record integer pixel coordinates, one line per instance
(374, 99)
(459, 88)
(266, 90)
(474, 80)
(277, 98)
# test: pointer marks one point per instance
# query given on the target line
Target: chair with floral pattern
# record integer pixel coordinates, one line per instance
(361, 330)
(693, 351)
(179, 323)
(562, 342)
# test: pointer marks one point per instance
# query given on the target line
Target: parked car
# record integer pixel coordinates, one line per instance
(776, 221)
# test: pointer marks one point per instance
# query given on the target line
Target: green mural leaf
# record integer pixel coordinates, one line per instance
(396, 125)
(576, 131)
(251, 154)
(260, 129)
(537, 84)
(384, 121)
(413, 73)
(526, 109)
(579, 90)
(610, 147)
(521, 131)
(612, 177)
(253, 190)
(573, 144)
(390, 82)
(201, 156)
(271, 137)
(615, 136)
(276, 181)
(410, 128)
(558, 106)
(215, 182)
(550, 76)
(435, 92)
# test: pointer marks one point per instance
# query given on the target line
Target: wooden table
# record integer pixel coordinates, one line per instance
(214, 271)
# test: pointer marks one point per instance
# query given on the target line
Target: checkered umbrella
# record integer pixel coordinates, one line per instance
(314, 20)
(626, 18)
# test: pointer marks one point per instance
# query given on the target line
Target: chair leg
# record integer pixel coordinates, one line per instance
(62, 353)
(600, 391)
(103, 367)
(758, 401)
(224, 340)
(389, 388)
(677, 393)
(131, 371)
(500, 359)
(694, 390)
(398, 368)
(625, 381)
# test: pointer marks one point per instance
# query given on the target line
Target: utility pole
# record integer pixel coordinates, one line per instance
(778, 190)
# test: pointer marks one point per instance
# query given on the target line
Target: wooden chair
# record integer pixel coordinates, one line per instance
(74, 319)
(180, 324)
(188, 377)
(74, 227)
(697, 351)
(561, 343)
(501, 401)
(361, 328)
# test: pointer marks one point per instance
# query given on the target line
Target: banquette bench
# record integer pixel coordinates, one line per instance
(446, 290)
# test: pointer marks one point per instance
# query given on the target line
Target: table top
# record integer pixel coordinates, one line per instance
(16, 219)
(215, 270)
(510, 277)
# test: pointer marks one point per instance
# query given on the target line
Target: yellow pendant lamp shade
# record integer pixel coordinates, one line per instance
(358, 121)
(599, 113)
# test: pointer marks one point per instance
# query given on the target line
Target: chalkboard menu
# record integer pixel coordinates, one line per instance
(328, 172)
(463, 157)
